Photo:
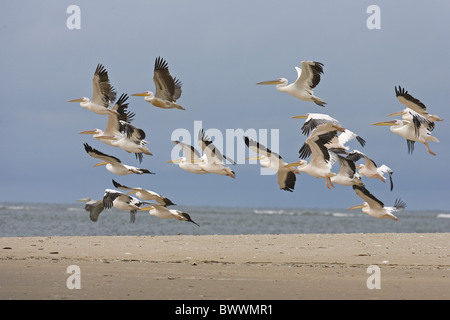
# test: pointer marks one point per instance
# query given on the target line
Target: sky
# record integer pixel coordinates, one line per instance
(219, 50)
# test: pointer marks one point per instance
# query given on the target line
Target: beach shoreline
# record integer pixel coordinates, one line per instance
(223, 267)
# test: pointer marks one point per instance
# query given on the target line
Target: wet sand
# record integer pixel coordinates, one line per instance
(237, 267)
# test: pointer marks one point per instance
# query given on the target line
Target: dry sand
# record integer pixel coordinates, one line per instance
(311, 266)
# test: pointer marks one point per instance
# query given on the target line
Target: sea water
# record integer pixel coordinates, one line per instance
(33, 219)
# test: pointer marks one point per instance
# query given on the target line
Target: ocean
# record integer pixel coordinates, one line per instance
(36, 219)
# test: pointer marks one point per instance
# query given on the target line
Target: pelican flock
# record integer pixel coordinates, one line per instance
(326, 152)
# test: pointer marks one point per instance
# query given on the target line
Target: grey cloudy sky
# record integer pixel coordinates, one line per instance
(219, 50)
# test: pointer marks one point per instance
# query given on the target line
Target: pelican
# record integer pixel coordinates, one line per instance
(308, 77)
(370, 169)
(412, 103)
(103, 93)
(213, 160)
(285, 173)
(313, 120)
(168, 89)
(121, 201)
(417, 130)
(163, 213)
(120, 133)
(145, 194)
(374, 207)
(113, 164)
(95, 207)
(322, 159)
(191, 160)
(337, 144)
(346, 175)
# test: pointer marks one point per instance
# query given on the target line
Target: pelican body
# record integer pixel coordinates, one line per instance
(285, 172)
(163, 213)
(145, 194)
(308, 77)
(168, 89)
(417, 130)
(121, 201)
(374, 207)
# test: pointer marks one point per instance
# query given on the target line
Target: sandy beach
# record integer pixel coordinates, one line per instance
(273, 267)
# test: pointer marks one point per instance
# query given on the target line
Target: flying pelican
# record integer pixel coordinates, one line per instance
(120, 133)
(163, 213)
(412, 103)
(121, 201)
(322, 159)
(95, 207)
(308, 77)
(168, 89)
(346, 175)
(145, 194)
(313, 120)
(337, 144)
(213, 162)
(103, 93)
(374, 207)
(417, 130)
(285, 174)
(370, 169)
(113, 164)
(191, 160)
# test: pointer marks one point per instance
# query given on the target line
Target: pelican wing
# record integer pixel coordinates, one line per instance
(110, 195)
(409, 101)
(133, 133)
(309, 74)
(261, 149)
(209, 149)
(94, 208)
(364, 194)
(286, 179)
(347, 167)
(314, 120)
(189, 151)
(348, 135)
(320, 154)
(103, 93)
(165, 84)
(94, 153)
(113, 124)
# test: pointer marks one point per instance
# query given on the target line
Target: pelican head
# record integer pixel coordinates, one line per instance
(83, 99)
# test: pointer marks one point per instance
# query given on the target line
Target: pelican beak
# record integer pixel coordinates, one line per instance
(271, 82)
(100, 164)
(76, 100)
(174, 161)
(300, 117)
(293, 164)
(384, 123)
(83, 200)
(143, 94)
(359, 206)
(88, 132)
(146, 208)
(253, 158)
(131, 192)
(395, 114)
(106, 137)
